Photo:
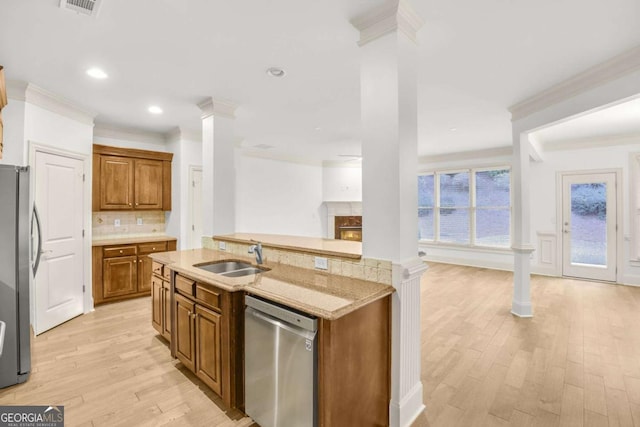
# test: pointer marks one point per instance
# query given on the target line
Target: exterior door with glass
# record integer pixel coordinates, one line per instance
(589, 217)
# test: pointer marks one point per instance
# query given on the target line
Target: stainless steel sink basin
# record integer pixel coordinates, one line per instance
(224, 266)
(243, 272)
(231, 268)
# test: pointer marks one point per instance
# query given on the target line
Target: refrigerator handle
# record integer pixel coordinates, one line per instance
(2, 328)
(36, 217)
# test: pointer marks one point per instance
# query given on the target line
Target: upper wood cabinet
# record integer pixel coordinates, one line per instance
(128, 179)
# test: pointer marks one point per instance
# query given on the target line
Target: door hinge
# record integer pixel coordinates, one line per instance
(83, 232)
(193, 228)
(83, 289)
(193, 183)
(83, 177)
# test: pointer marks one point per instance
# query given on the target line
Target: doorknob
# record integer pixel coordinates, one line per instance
(566, 231)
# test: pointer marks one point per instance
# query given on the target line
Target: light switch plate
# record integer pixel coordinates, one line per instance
(321, 263)
(222, 246)
(139, 221)
(116, 222)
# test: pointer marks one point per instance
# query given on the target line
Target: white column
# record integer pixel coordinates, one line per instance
(522, 247)
(218, 168)
(388, 78)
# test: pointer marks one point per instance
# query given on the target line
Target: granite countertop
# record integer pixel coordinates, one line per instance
(318, 293)
(310, 245)
(130, 240)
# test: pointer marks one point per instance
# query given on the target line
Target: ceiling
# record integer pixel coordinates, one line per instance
(476, 58)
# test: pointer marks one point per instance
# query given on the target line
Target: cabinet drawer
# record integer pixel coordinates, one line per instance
(114, 251)
(184, 285)
(166, 273)
(157, 269)
(208, 296)
(148, 248)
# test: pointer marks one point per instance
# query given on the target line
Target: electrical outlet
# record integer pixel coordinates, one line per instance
(117, 222)
(222, 246)
(139, 221)
(321, 263)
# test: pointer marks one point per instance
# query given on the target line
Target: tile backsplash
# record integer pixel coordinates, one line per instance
(365, 268)
(103, 224)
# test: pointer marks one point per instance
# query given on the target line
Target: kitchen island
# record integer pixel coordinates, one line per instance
(207, 329)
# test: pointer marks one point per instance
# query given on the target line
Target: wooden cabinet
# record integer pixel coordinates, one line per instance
(208, 348)
(120, 276)
(124, 271)
(185, 338)
(127, 179)
(161, 299)
(209, 336)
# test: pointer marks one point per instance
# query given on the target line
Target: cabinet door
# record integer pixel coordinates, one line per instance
(166, 310)
(145, 265)
(120, 276)
(148, 184)
(157, 304)
(208, 342)
(185, 331)
(116, 183)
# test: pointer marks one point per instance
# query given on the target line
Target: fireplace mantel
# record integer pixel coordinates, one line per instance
(334, 209)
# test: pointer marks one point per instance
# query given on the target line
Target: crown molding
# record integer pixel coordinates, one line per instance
(395, 15)
(591, 142)
(280, 157)
(218, 108)
(608, 71)
(35, 95)
(467, 155)
(342, 164)
(178, 134)
(102, 130)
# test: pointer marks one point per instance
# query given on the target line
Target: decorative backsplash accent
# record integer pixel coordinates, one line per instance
(103, 224)
(365, 268)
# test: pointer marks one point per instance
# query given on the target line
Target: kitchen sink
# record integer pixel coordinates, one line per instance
(231, 268)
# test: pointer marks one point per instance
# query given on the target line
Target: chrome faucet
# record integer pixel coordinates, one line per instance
(257, 249)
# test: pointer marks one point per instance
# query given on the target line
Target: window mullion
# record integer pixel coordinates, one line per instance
(472, 205)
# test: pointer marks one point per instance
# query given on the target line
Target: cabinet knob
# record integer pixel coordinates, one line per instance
(121, 251)
(153, 249)
(137, 203)
(140, 261)
(129, 204)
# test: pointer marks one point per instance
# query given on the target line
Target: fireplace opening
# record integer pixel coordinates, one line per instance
(349, 228)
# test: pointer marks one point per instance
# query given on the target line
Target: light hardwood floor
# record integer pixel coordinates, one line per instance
(576, 363)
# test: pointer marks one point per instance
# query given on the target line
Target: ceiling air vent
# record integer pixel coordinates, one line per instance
(86, 7)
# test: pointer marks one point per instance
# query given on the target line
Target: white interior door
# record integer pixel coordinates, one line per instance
(589, 219)
(59, 280)
(196, 207)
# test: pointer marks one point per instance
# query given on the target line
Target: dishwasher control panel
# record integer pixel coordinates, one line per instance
(285, 314)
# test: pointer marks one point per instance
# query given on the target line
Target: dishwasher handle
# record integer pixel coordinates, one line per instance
(280, 324)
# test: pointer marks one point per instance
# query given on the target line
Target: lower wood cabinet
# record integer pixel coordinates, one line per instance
(124, 271)
(185, 339)
(208, 348)
(161, 303)
(208, 336)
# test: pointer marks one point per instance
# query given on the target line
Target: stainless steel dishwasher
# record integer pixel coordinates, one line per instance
(280, 365)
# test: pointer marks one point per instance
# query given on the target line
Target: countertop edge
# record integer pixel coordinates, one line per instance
(336, 254)
(131, 240)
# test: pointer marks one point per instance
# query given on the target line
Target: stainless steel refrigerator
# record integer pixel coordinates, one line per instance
(15, 266)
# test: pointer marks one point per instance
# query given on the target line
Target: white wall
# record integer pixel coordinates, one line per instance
(132, 143)
(278, 197)
(543, 194)
(14, 152)
(543, 208)
(185, 154)
(342, 184)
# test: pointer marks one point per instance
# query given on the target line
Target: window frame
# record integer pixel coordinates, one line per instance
(472, 208)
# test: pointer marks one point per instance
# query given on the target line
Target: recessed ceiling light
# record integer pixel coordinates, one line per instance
(97, 73)
(154, 109)
(453, 129)
(275, 72)
(318, 128)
